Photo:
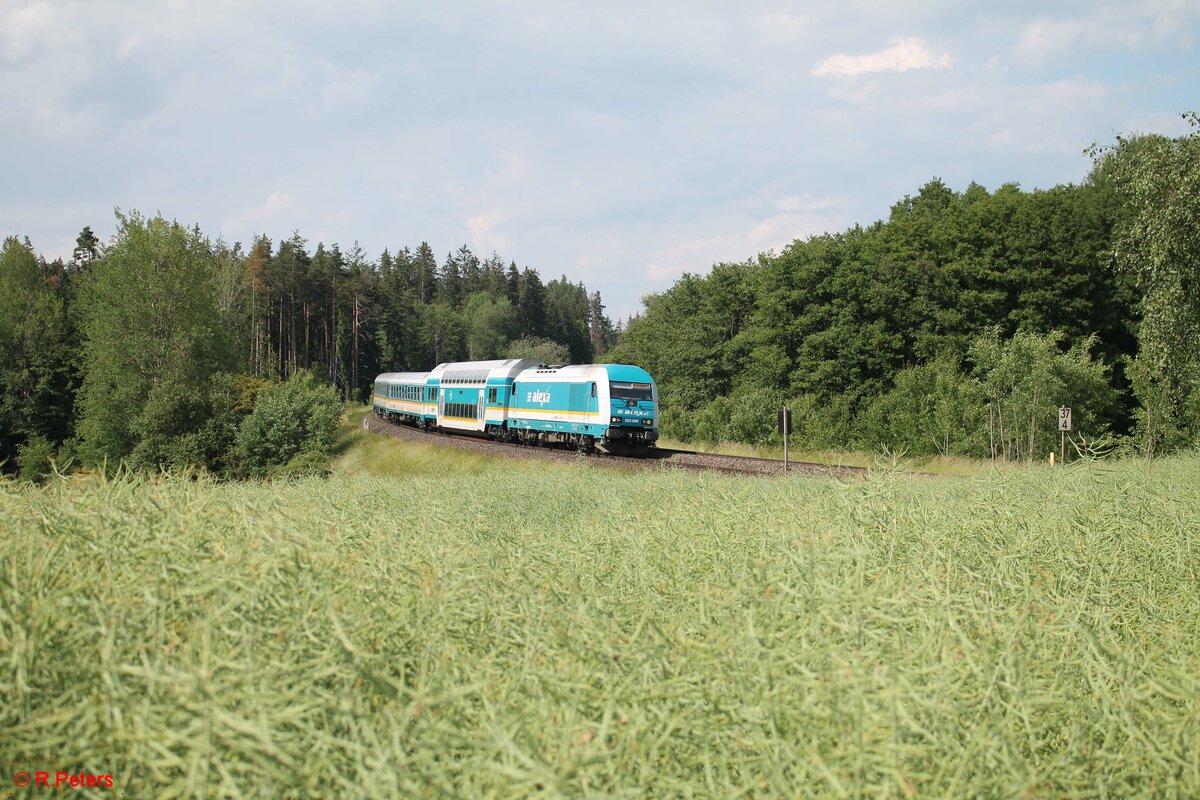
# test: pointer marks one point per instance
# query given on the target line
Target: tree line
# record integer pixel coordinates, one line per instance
(158, 348)
(957, 325)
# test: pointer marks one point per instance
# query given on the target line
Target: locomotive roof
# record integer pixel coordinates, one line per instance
(614, 372)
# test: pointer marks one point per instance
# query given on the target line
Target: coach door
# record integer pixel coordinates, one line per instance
(479, 410)
(441, 410)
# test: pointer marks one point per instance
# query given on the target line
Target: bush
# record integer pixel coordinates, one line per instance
(34, 458)
(711, 423)
(181, 428)
(304, 464)
(167, 428)
(1169, 415)
(676, 423)
(933, 408)
(1026, 378)
(822, 423)
(291, 419)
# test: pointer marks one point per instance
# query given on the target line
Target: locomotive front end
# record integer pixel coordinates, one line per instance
(633, 409)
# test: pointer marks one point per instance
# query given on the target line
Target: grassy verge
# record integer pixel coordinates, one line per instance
(585, 633)
(939, 465)
(358, 452)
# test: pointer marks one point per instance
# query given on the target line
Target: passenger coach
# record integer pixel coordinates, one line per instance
(613, 406)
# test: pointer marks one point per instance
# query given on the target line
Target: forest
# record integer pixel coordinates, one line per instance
(956, 326)
(165, 349)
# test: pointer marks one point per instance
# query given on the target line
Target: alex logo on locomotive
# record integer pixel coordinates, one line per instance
(539, 397)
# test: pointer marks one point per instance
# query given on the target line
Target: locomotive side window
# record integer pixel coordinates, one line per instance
(593, 390)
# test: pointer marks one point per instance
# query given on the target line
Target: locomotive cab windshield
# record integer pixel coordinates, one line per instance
(631, 391)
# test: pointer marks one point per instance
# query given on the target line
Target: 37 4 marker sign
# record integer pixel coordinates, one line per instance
(1064, 418)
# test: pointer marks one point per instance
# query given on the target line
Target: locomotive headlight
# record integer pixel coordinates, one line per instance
(616, 420)
(647, 421)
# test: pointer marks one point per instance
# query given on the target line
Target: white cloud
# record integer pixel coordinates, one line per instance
(128, 45)
(785, 22)
(484, 236)
(346, 88)
(272, 211)
(1134, 27)
(901, 56)
(797, 203)
(1047, 38)
(623, 143)
(30, 28)
(742, 240)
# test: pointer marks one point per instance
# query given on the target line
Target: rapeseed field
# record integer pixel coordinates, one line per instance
(518, 631)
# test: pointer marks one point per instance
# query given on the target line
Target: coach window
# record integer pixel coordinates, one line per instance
(492, 395)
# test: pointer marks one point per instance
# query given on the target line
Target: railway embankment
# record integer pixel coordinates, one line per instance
(657, 458)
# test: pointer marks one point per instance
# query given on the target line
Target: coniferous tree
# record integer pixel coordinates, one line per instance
(362, 278)
(470, 271)
(36, 354)
(255, 266)
(425, 271)
(450, 284)
(513, 280)
(87, 250)
(531, 304)
(600, 327)
(398, 327)
(492, 277)
(567, 311)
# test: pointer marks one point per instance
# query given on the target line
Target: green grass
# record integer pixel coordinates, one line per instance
(359, 452)
(577, 632)
(956, 466)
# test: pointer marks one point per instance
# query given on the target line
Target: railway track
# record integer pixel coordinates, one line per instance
(658, 458)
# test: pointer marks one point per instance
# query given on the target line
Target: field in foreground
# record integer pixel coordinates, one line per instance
(586, 633)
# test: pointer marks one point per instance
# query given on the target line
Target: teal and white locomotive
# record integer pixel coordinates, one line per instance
(610, 406)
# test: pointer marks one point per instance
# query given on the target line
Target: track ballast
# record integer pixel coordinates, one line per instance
(655, 458)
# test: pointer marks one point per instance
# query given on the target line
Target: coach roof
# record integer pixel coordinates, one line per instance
(402, 377)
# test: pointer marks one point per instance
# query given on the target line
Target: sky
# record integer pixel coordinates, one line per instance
(621, 144)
